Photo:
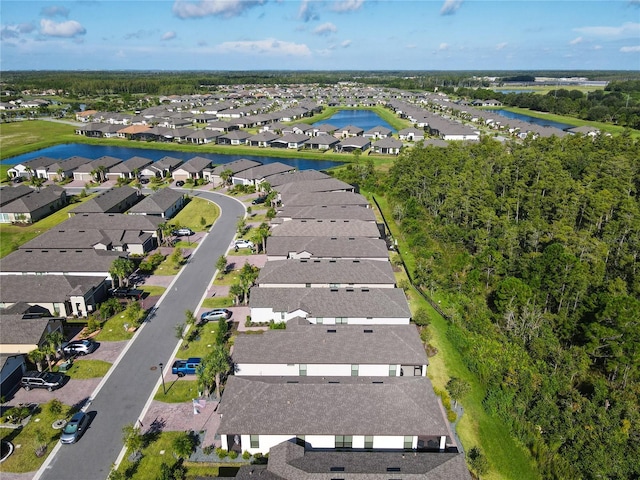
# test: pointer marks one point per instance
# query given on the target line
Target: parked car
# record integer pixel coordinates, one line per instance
(183, 232)
(144, 181)
(17, 179)
(243, 244)
(258, 200)
(185, 367)
(50, 381)
(179, 183)
(126, 293)
(74, 428)
(79, 347)
(216, 314)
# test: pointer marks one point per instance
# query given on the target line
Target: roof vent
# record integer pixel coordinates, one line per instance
(331, 330)
(393, 469)
(368, 331)
(365, 289)
(292, 381)
(337, 469)
(303, 260)
(377, 382)
(335, 381)
(349, 290)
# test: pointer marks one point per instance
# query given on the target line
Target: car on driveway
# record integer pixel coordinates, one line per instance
(243, 244)
(50, 381)
(74, 428)
(183, 232)
(79, 347)
(259, 200)
(179, 183)
(215, 314)
(126, 293)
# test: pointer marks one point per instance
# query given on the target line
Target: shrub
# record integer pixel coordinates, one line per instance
(208, 450)
(246, 455)
(277, 325)
(55, 407)
(233, 454)
(221, 452)
(93, 325)
(451, 416)
(16, 414)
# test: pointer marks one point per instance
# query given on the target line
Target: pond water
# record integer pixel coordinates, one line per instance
(365, 119)
(538, 121)
(96, 151)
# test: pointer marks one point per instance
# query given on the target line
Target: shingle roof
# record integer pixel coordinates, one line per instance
(107, 200)
(332, 303)
(325, 228)
(108, 221)
(34, 200)
(320, 185)
(158, 202)
(58, 260)
(288, 177)
(335, 212)
(327, 247)
(236, 166)
(334, 344)
(9, 194)
(22, 331)
(264, 171)
(313, 406)
(45, 288)
(323, 198)
(367, 272)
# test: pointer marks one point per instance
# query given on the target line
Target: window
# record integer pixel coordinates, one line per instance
(344, 441)
(408, 442)
(368, 441)
(392, 370)
(307, 285)
(341, 320)
(303, 370)
(255, 441)
(300, 440)
(354, 370)
(281, 315)
(319, 321)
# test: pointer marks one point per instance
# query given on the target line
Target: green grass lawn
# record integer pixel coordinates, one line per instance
(507, 458)
(194, 211)
(228, 278)
(113, 330)
(152, 290)
(178, 391)
(218, 302)
(24, 458)
(168, 267)
(23, 137)
(12, 236)
(83, 369)
(203, 344)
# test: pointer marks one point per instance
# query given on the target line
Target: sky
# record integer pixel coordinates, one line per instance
(319, 35)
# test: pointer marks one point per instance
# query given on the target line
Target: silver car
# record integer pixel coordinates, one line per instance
(74, 429)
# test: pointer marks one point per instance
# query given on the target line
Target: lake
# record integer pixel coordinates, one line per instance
(96, 151)
(538, 121)
(365, 119)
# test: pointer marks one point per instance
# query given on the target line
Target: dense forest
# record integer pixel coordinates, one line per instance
(534, 248)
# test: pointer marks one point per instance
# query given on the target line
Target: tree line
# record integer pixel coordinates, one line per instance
(533, 249)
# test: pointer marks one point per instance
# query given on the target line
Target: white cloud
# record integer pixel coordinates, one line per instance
(347, 5)
(169, 35)
(204, 8)
(449, 7)
(626, 29)
(576, 41)
(501, 45)
(346, 44)
(54, 11)
(325, 29)
(443, 47)
(70, 28)
(306, 13)
(8, 32)
(634, 49)
(269, 46)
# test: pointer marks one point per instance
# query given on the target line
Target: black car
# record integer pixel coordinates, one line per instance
(50, 381)
(179, 183)
(258, 200)
(126, 293)
(144, 181)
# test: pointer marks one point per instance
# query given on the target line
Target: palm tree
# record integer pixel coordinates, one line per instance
(226, 175)
(37, 356)
(214, 366)
(237, 291)
(121, 268)
(52, 343)
(60, 174)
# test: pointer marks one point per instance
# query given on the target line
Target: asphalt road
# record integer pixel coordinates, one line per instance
(124, 394)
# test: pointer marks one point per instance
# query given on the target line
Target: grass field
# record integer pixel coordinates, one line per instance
(198, 215)
(23, 137)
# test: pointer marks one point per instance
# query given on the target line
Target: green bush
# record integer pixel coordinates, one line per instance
(233, 454)
(246, 455)
(221, 452)
(55, 406)
(451, 416)
(93, 325)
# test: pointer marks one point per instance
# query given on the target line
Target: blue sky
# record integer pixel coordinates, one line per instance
(319, 34)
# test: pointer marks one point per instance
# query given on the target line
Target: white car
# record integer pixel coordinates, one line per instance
(183, 232)
(243, 244)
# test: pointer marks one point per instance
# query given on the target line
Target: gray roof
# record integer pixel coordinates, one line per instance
(262, 171)
(290, 461)
(388, 142)
(34, 200)
(293, 138)
(359, 142)
(66, 238)
(58, 260)
(9, 194)
(235, 166)
(335, 212)
(17, 330)
(333, 344)
(168, 163)
(320, 185)
(111, 221)
(288, 177)
(325, 228)
(38, 162)
(328, 247)
(45, 288)
(323, 198)
(326, 271)
(158, 202)
(105, 161)
(313, 406)
(129, 166)
(332, 303)
(69, 164)
(196, 164)
(108, 200)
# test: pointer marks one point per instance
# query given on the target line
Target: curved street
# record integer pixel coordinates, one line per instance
(122, 396)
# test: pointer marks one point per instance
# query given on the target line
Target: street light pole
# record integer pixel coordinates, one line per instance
(164, 389)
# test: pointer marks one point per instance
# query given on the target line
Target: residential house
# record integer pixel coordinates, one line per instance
(164, 203)
(64, 168)
(203, 136)
(290, 140)
(134, 132)
(320, 185)
(280, 248)
(10, 194)
(349, 144)
(138, 225)
(324, 129)
(24, 333)
(261, 173)
(326, 273)
(349, 131)
(129, 169)
(34, 206)
(235, 137)
(161, 168)
(12, 367)
(30, 167)
(380, 413)
(113, 200)
(336, 350)
(378, 132)
(411, 134)
(323, 212)
(359, 306)
(192, 169)
(95, 169)
(291, 460)
(322, 142)
(323, 198)
(389, 146)
(262, 139)
(62, 295)
(296, 176)
(326, 228)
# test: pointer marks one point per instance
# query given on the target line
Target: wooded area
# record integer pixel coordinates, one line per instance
(533, 249)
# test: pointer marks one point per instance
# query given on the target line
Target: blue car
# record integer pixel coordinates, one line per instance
(74, 429)
(185, 367)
